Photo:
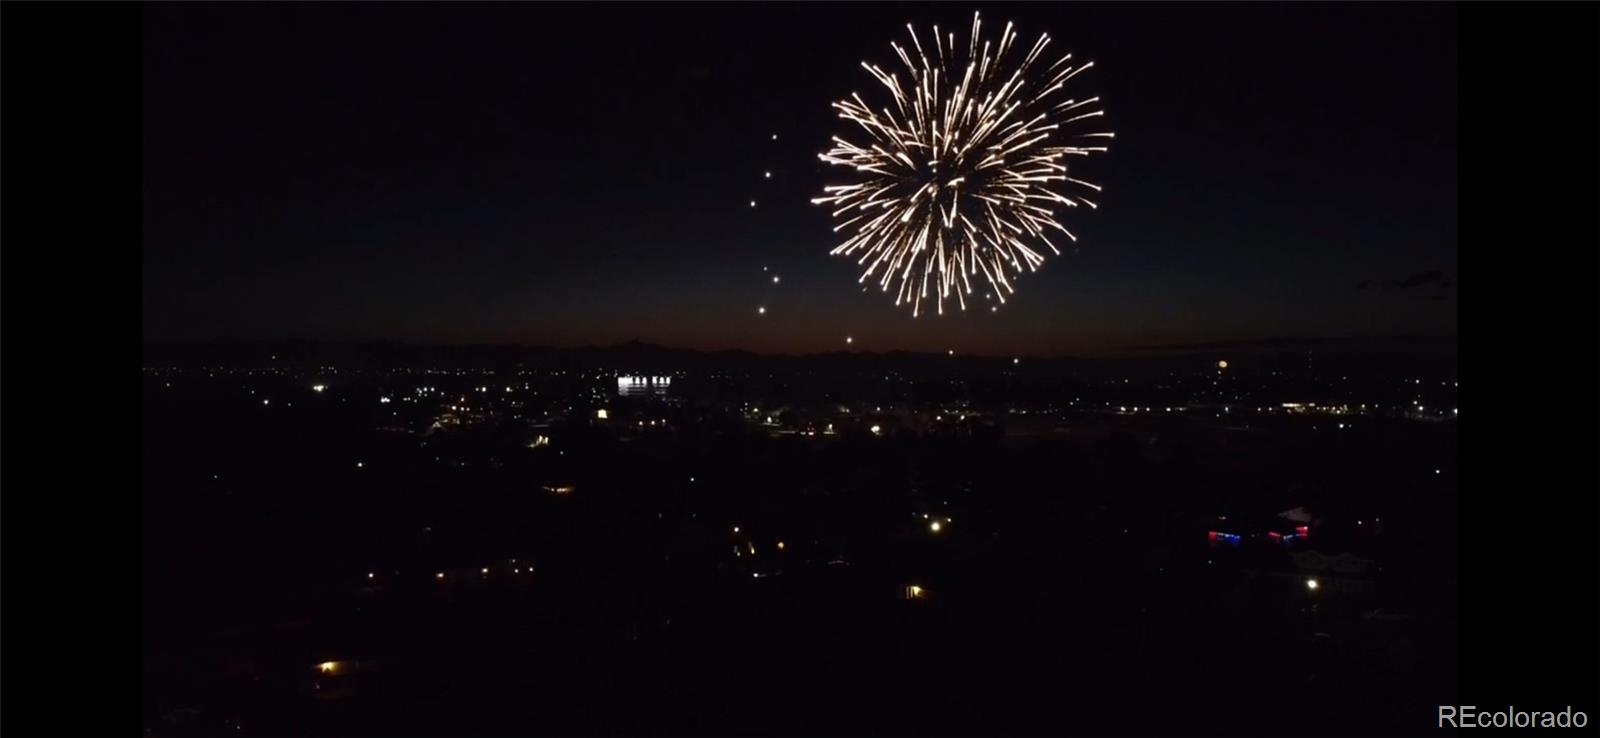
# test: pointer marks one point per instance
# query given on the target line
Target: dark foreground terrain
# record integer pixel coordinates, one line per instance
(310, 572)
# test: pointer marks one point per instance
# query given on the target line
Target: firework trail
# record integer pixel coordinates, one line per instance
(961, 174)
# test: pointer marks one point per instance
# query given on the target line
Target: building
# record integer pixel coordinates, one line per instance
(643, 386)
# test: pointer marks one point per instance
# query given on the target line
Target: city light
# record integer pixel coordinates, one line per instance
(1222, 364)
(318, 387)
(383, 400)
(935, 526)
(486, 570)
(1311, 584)
(440, 575)
(780, 545)
(600, 414)
(328, 667)
(876, 430)
(761, 310)
(370, 575)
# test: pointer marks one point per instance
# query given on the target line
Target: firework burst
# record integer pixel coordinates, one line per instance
(961, 175)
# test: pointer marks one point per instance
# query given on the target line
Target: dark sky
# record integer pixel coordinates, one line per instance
(570, 175)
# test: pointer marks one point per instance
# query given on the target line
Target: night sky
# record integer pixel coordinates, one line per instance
(581, 175)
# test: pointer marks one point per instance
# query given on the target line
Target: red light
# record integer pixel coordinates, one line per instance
(1303, 530)
(1211, 536)
(1274, 535)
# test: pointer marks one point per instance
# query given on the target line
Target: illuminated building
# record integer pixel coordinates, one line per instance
(1217, 539)
(642, 386)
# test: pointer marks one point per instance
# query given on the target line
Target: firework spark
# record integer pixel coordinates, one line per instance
(962, 172)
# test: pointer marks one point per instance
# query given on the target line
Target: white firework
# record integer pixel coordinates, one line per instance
(961, 175)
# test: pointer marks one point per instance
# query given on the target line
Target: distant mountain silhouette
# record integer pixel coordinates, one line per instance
(1288, 342)
(1436, 356)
